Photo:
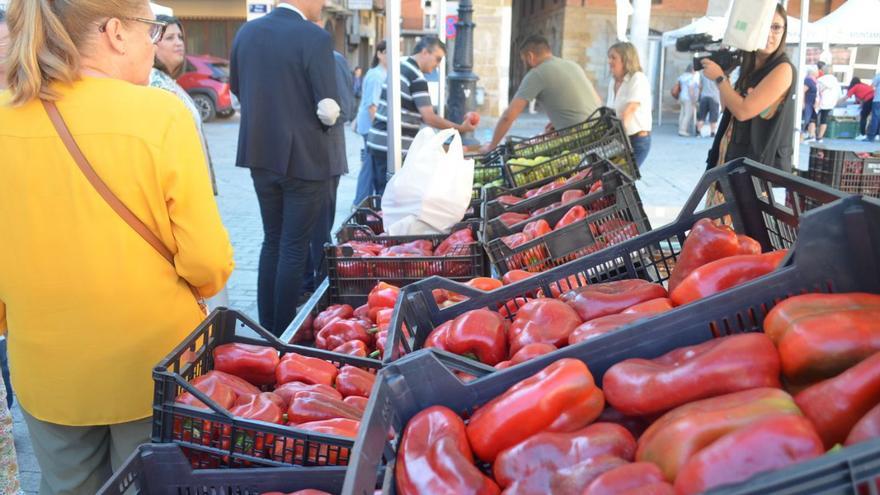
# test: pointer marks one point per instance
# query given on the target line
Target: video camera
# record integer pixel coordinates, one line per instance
(705, 46)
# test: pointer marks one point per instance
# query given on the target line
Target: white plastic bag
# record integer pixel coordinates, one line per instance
(432, 191)
(749, 24)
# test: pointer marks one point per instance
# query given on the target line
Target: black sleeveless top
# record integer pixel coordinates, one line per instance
(767, 141)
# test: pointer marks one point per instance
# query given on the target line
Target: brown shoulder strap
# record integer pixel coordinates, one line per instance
(101, 187)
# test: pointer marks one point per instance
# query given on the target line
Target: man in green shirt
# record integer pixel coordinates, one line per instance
(561, 86)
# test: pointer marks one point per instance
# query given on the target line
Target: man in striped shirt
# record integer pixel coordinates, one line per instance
(415, 108)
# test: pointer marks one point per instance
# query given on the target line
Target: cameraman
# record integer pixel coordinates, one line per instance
(759, 112)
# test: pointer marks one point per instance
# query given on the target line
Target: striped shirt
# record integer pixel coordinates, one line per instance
(413, 95)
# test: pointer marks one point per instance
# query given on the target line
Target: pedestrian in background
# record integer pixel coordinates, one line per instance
(629, 94)
(710, 105)
(371, 95)
(168, 66)
(415, 107)
(864, 94)
(811, 91)
(688, 88)
(561, 86)
(283, 72)
(828, 90)
(97, 295)
(4, 361)
(875, 110)
(759, 111)
(357, 83)
(315, 268)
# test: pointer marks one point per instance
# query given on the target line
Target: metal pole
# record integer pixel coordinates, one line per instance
(660, 90)
(799, 94)
(463, 81)
(392, 30)
(441, 34)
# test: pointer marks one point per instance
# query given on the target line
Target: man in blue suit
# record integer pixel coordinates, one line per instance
(283, 72)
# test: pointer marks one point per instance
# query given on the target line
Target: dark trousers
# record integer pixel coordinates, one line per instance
(291, 210)
(874, 127)
(316, 269)
(863, 116)
(379, 162)
(4, 368)
(641, 146)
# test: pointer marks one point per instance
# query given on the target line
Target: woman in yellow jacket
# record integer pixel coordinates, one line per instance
(90, 306)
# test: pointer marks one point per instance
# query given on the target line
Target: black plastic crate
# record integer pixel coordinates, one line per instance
(352, 278)
(849, 171)
(523, 175)
(602, 133)
(615, 214)
(750, 207)
(162, 469)
(838, 251)
(213, 437)
(365, 218)
(603, 172)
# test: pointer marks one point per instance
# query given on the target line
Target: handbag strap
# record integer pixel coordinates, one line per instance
(104, 191)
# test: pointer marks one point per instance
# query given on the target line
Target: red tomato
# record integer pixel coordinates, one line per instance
(472, 117)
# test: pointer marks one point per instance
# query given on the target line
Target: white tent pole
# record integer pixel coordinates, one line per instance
(660, 89)
(441, 34)
(392, 27)
(798, 84)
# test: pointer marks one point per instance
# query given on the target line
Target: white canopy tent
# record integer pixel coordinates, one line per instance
(853, 23)
(716, 25)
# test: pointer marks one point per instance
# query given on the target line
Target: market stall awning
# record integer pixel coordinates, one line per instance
(716, 25)
(161, 9)
(853, 23)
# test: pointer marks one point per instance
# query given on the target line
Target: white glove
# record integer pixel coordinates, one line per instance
(328, 111)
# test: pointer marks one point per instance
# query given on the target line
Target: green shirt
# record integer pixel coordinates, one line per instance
(563, 90)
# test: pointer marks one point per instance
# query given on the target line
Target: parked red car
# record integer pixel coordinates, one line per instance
(206, 79)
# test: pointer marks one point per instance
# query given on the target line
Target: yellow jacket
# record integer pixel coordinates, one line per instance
(90, 307)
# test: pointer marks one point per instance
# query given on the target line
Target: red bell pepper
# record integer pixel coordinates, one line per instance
(240, 386)
(572, 195)
(637, 478)
(540, 211)
(510, 308)
(513, 241)
(568, 284)
(353, 348)
(362, 312)
(866, 428)
(837, 404)
(537, 228)
(652, 307)
(512, 218)
(508, 199)
(560, 398)
(342, 427)
(706, 242)
(299, 368)
(254, 363)
(306, 331)
(382, 296)
(530, 463)
(821, 335)
(434, 457)
(480, 332)
(528, 352)
(725, 273)
(341, 331)
(308, 407)
(572, 480)
(454, 242)
(639, 387)
(634, 424)
(261, 407)
(333, 312)
(355, 381)
(290, 390)
(514, 276)
(415, 248)
(357, 402)
(574, 215)
(596, 187)
(767, 445)
(215, 389)
(542, 321)
(610, 298)
(604, 324)
(583, 174)
(486, 284)
(322, 453)
(688, 429)
(383, 318)
(747, 245)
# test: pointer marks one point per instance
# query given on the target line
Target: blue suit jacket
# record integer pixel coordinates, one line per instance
(281, 67)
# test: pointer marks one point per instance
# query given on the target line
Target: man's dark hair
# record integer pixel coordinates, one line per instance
(429, 43)
(535, 44)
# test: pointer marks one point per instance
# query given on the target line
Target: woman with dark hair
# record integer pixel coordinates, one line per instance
(864, 94)
(758, 114)
(168, 65)
(371, 94)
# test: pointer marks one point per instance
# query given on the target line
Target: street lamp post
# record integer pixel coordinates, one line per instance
(462, 82)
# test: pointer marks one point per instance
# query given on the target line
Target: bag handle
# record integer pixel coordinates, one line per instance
(104, 191)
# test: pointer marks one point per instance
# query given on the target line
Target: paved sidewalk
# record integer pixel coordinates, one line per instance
(671, 171)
